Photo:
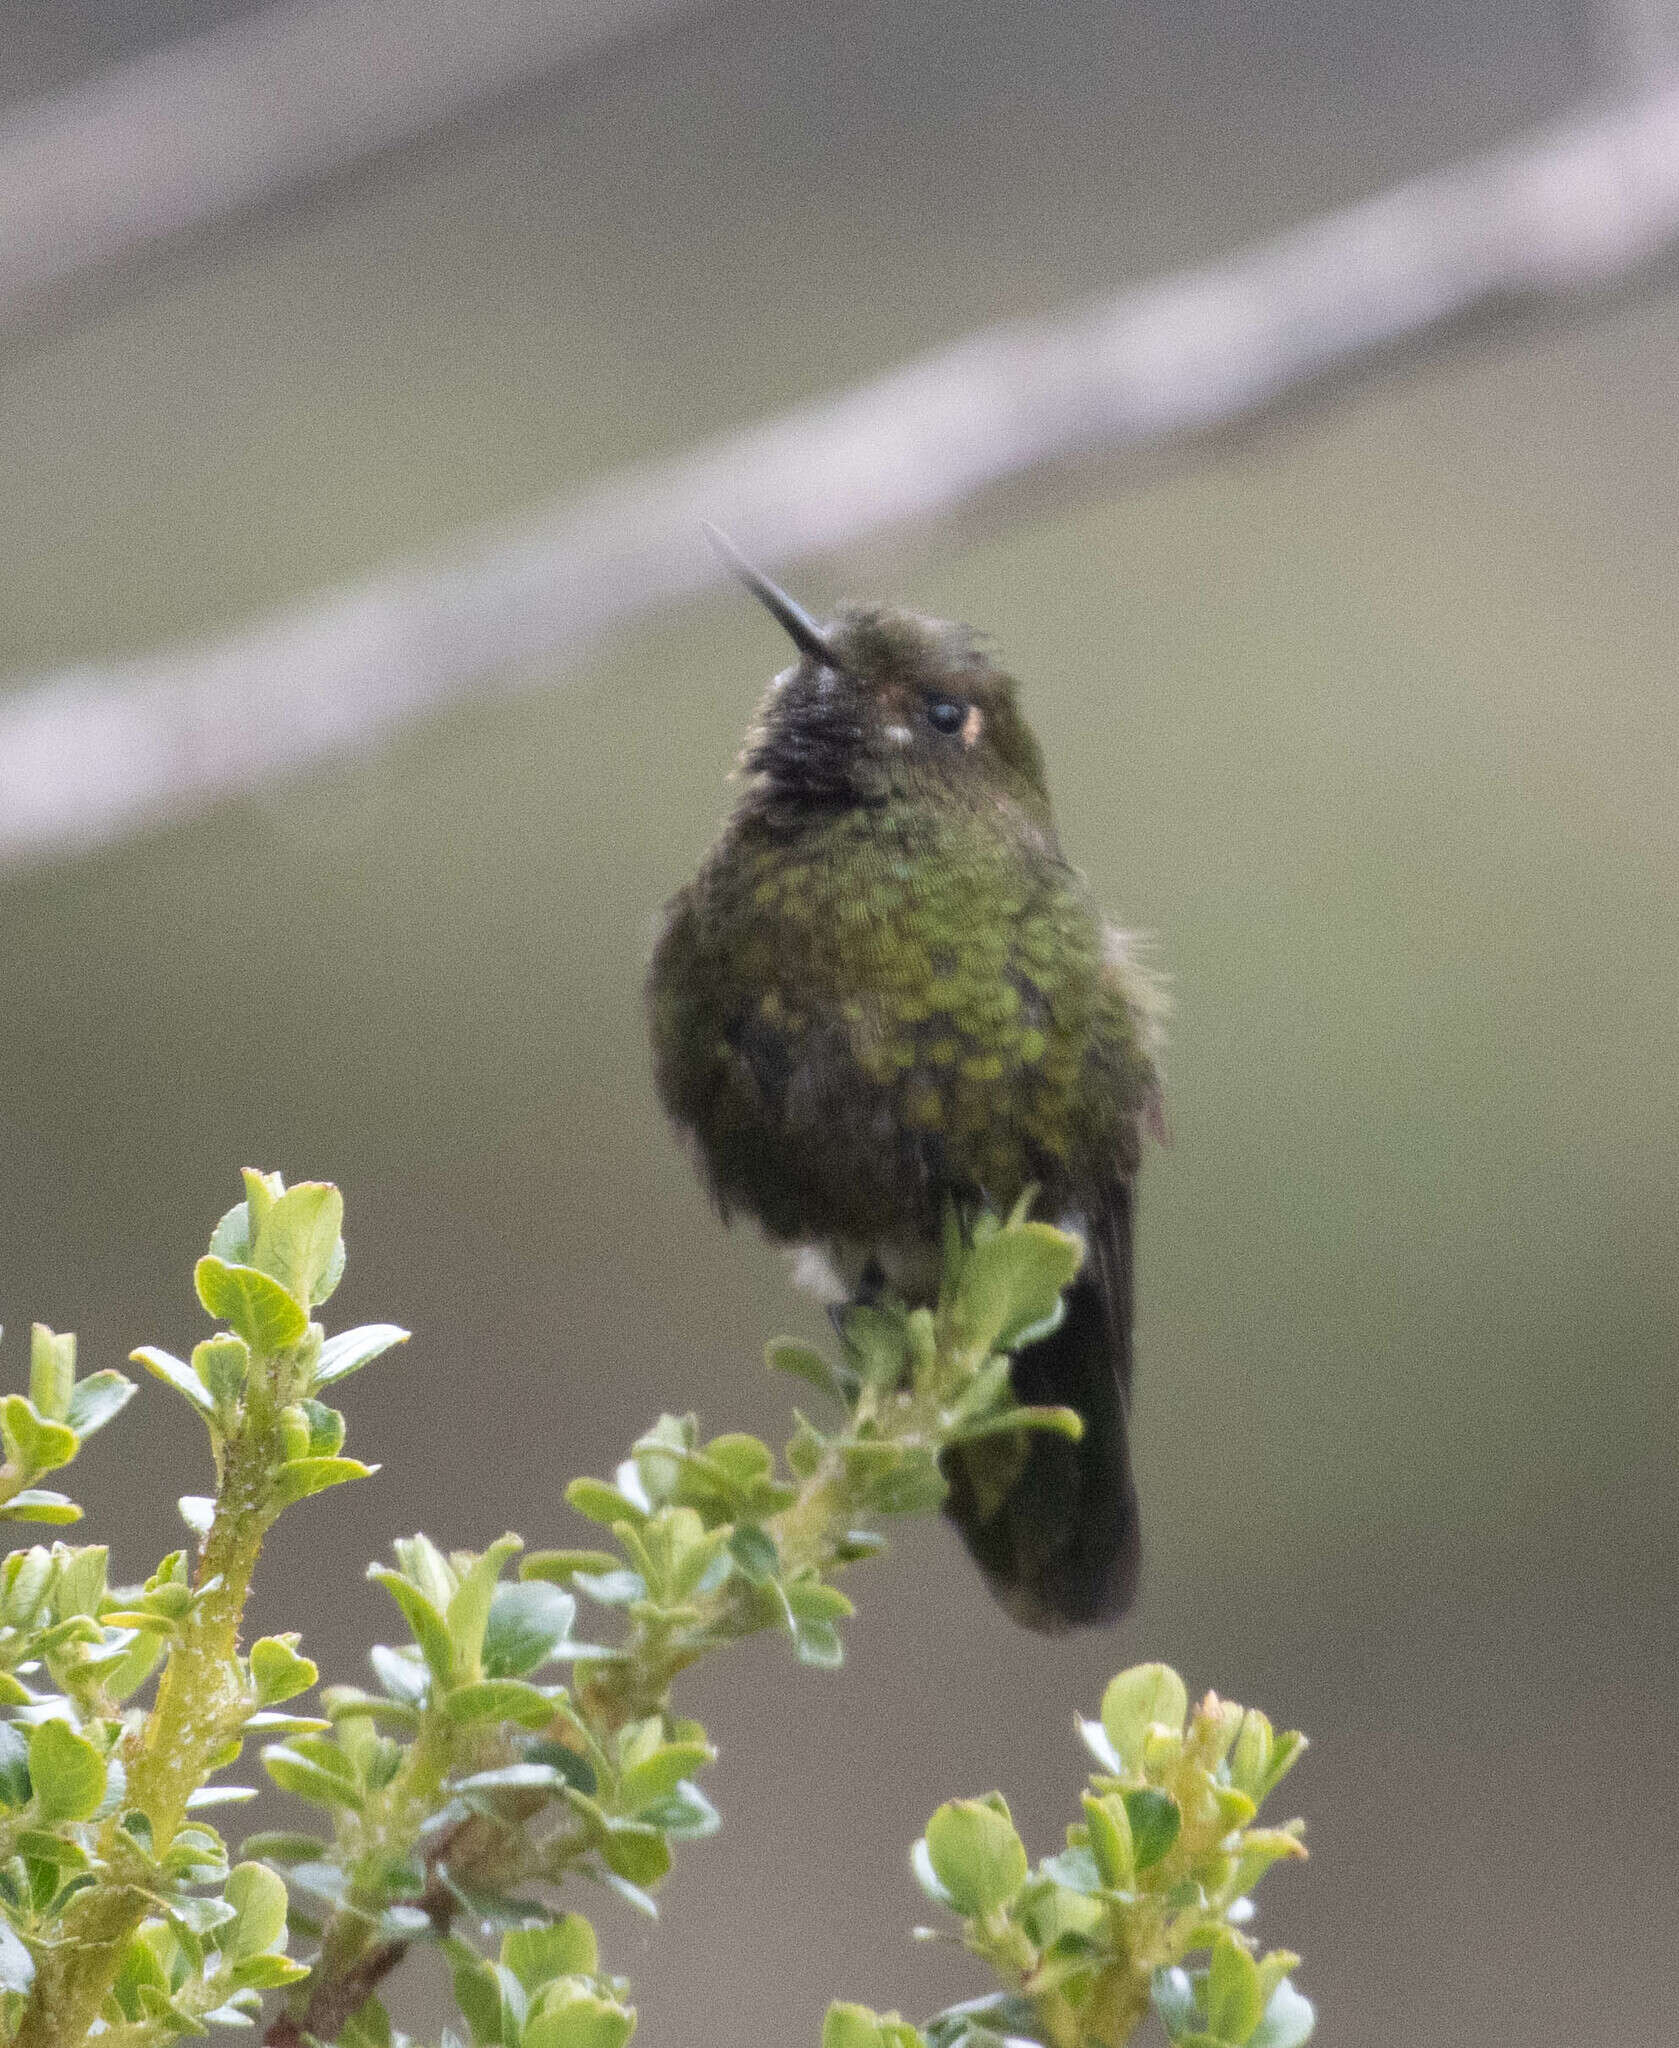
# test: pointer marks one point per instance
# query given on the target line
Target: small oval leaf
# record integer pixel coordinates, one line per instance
(350, 1350)
(252, 1302)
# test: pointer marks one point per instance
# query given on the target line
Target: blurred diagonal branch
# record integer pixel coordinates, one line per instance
(236, 117)
(88, 755)
(1639, 40)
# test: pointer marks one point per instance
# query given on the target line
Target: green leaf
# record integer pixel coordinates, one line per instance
(278, 1845)
(468, 1612)
(264, 1722)
(851, 2026)
(561, 1566)
(198, 1511)
(565, 1948)
(277, 1671)
(326, 1428)
(620, 1588)
(1109, 1825)
(41, 1845)
(1076, 1870)
(231, 1238)
(1250, 1757)
(1174, 1999)
(265, 1973)
(300, 1477)
(258, 1898)
(403, 1676)
(251, 1302)
(350, 1350)
(477, 1992)
(976, 1854)
(1287, 2022)
(895, 1479)
(425, 1566)
(26, 1576)
(68, 1773)
(608, 1505)
(1285, 1754)
(34, 1444)
(1012, 1283)
(685, 1815)
(40, 1504)
(96, 1399)
(262, 1191)
(14, 1766)
(528, 1621)
(221, 1363)
(733, 1474)
(530, 1777)
(52, 1372)
(197, 1855)
(572, 1766)
(1260, 1848)
(1148, 1695)
(500, 1699)
(875, 1342)
(658, 1775)
(176, 1373)
(1065, 1422)
(927, 1877)
(294, 1772)
(811, 1600)
(572, 2015)
(805, 1448)
(300, 1241)
(1233, 1997)
(818, 1644)
(990, 1388)
(637, 1853)
(369, 2026)
(422, 1618)
(17, 1965)
(1155, 1821)
(784, 1354)
(631, 1894)
(323, 1881)
(82, 1579)
(755, 1553)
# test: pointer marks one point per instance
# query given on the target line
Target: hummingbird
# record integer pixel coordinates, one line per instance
(886, 992)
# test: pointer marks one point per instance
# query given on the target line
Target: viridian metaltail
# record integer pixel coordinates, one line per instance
(887, 995)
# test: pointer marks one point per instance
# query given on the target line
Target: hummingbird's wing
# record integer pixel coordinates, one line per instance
(1054, 1524)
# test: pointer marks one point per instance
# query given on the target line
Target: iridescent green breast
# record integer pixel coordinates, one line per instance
(860, 1010)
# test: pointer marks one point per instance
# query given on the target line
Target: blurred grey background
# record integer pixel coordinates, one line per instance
(1367, 711)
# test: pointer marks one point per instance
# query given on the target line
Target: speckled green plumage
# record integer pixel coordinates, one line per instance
(858, 1010)
(886, 989)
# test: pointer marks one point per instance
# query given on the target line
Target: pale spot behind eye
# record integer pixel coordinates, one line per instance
(973, 725)
(899, 735)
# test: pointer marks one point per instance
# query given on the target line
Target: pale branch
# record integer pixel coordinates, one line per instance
(241, 115)
(90, 754)
(1638, 41)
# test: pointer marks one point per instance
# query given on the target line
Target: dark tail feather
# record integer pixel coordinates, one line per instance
(1053, 1524)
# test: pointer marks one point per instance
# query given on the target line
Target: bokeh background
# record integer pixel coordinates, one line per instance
(1367, 711)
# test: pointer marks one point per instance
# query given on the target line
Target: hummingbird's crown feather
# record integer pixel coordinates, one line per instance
(886, 644)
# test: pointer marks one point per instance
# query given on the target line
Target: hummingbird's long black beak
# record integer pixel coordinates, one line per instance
(800, 627)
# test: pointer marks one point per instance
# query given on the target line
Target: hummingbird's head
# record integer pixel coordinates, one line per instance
(883, 702)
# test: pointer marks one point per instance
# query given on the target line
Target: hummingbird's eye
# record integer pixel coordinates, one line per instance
(945, 714)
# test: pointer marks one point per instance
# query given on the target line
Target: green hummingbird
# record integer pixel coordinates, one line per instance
(886, 991)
